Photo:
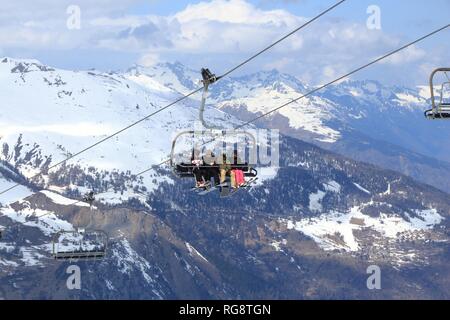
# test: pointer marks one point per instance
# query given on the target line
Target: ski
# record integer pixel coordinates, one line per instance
(200, 189)
(228, 192)
(205, 192)
(249, 183)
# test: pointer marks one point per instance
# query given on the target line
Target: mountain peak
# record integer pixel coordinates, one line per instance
(18, 60)
(24, 65)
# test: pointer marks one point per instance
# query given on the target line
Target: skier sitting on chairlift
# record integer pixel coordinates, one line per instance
(211, 167)
(198, 171)
(224, 168)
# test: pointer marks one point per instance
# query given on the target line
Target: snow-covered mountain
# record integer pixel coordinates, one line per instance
(318, 220)
(360, 119)
(326, 115)
(364, 120)
(49, 114)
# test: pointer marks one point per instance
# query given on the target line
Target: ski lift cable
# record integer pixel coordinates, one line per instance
(179, 99)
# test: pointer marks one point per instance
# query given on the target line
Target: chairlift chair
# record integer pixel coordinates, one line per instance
(80, 245)
(440, 106)
(185, 169)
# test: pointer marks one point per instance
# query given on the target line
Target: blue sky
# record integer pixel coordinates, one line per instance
(219, 33)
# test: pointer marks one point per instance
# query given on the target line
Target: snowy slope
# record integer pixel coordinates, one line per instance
(49, 114)
(257, 93)
(65, 111)
(391, 114)
(173, 77)
(344, 224)
(14, 195)
(139, 257)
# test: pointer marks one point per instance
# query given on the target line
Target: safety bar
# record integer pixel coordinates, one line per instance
(252, 137)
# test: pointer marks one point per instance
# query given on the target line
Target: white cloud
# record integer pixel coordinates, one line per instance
(235, 12)
(279, 64)
(218, 26)
(408, 55)
(329, 72)
(126, 21)
(149, 59)
(220, 32)
(21, 11)
(320, 53)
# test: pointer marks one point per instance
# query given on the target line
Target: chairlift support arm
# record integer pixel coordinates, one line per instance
(208, 79)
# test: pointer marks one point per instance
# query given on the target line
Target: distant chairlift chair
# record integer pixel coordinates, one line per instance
(80, 245)
(440, 109)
